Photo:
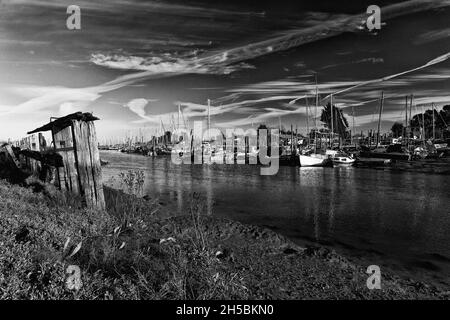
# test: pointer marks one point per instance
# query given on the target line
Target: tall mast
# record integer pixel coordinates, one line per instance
(410, 107)
(379, 117)
(332, 120)
(434, 133)
(315, 115)
(353, 125)
(174, 126)
(423, 126)
(292, 140)
(406, 114)
(179, 116)
(209, 116)
(307, 121)
(185, 124)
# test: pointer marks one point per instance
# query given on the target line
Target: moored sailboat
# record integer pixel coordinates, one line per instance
(314, 160)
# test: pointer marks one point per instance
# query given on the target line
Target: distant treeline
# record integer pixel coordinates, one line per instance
(425, 120)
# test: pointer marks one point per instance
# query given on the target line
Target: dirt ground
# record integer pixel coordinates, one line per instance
(273, 267)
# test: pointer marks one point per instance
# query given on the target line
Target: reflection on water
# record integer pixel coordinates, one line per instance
(401, 218)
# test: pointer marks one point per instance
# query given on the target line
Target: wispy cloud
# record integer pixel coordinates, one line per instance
(430, 63)
(373, 60)
(50, 98)
(165, 64)
(287, 41)
(137, 106)
(431, 36)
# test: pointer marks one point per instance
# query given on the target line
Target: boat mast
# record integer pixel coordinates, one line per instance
(209, 116)
(434, 133)
(423, 126)
(410, 109)
(307, 120)
(185, 123)
(379, 118)
(315, 115)
(406, 122)
(332, 122)
(353, 126)
(179, 117)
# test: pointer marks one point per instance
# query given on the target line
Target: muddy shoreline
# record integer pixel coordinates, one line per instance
(282, 269)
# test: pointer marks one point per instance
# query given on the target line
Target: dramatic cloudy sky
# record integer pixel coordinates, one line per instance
(134, 61)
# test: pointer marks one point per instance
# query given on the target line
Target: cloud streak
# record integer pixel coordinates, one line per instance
(287, 41)
(430, 63)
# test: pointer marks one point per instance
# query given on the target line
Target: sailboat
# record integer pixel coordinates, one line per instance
(311, 158)
(314, 160)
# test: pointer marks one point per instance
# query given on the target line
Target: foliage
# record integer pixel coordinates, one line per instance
(340, 123)
(425, 119)
(133, 181)
(397, 129)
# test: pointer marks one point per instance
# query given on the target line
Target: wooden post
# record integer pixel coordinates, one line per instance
(63, 141)
(88, 163)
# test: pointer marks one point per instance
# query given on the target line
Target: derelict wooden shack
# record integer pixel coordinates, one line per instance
(33, 142)
(75, 140)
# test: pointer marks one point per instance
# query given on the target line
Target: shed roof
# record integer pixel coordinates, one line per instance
(65, 121)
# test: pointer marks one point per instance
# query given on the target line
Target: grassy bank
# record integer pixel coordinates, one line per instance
(131, 252)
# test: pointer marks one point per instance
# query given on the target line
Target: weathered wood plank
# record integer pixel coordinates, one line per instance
(68, 175)
(88, 162)
(34, 145)
(12, 155)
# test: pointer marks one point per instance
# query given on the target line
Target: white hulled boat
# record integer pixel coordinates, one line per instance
(341, 160)
(314, 160)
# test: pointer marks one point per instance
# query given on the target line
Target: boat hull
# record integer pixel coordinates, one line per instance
(343, 161)
(314, 161)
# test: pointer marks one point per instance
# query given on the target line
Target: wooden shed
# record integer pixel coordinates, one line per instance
(75, 140)
(33, 142)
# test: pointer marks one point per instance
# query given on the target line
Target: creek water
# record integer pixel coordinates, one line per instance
(397, 220)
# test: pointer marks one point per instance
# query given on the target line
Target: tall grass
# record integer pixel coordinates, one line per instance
(133, 181)
(126, 252)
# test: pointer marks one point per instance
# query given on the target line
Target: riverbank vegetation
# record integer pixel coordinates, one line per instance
(130, 251)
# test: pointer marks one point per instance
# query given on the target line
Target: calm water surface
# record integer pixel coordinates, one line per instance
(397, 220)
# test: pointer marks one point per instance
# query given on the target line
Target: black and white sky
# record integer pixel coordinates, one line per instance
(133, 61)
